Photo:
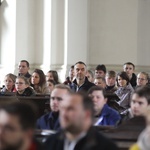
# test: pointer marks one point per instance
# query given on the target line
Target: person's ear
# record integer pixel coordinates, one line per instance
(105, 100)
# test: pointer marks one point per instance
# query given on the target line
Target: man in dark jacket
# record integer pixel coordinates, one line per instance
(76, 117)
(81, 82)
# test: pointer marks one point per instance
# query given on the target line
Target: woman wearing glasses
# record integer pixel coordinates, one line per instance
(23, 88)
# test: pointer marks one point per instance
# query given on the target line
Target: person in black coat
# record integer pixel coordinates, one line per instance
(81, 82)
(76, 117)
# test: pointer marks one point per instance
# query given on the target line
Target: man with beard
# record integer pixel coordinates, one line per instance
(76, 118)
(50, 121)
(81, 82)
(17, 122)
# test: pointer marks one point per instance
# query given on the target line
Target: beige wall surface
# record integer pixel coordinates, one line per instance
(54, 34)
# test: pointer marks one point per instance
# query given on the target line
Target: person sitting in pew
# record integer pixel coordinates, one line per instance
(76, 117)
(104, 115)
(23, 88)
(140, 100)
(144, 137)
(100, 81)
(110, 81)
(9, 81)
(50, 121)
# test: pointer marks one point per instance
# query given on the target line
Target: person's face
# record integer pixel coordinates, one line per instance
(128, 69)
(121, 82)
(99, 101)
(72, 114)
(80, 71)
(8, 83)
(23, 68)
(90, 78)
(20, 85)
(141, 80)
(99, 73)
(71, 73)
(138, 105)
(57, 96)
(11, 134)
(100, 82)
(49, 76)
(50, 85)
(35, 78)
(110, 81)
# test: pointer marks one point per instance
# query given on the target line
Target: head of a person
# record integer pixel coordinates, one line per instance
(122, 79)
(51, 84)
(76, 113)
(52, 75)
(99, 99)
(9, 81)
(23, 67)
(90, 75)
(71, 72)
(100, 71)
(21, 83)
(129, 68)
(38, 77)
(58, 94)
(142, 78)
(100, 81)
(80, 70)
(140, 100)
(110, 78)
(17, 122)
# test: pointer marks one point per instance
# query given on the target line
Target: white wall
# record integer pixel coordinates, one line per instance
(54, 34)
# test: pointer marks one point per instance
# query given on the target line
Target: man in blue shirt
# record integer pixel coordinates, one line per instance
(50, 121)
(104, 115)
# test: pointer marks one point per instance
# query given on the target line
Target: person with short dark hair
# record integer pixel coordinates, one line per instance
(129, 68)
(50, 121)
(24, 67)
(17, 123)
(81, 82)
(76, 118)
(124, 90)
(104, 115)
(100, 71)
(110, 81)
(100, 81)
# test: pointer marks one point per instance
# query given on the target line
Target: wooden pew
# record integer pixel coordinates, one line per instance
(126, 134)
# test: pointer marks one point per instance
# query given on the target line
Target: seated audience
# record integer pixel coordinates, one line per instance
(24, 68)
(50, 84)
(124, 90)
(110, 82)
(38, 82)
(144, 137)
(90, 75)
(9, 81)
(80, 82)
(100, 71)
(70, 78)
(76, 117)
(104, 115)
(22, 87)
(100, 81)
(129, 69)
(17, 122)
(140, 100)
(50, 121)
(52, 75)
(142, 79)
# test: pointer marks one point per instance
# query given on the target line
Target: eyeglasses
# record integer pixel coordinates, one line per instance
(141, 79)
(19, 83)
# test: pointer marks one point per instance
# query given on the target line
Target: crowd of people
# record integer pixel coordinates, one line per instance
(76, 105)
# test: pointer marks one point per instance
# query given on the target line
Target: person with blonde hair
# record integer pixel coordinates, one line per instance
(9, 81)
